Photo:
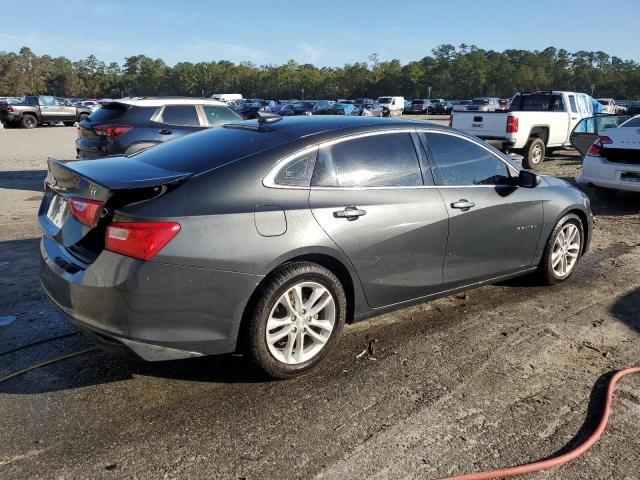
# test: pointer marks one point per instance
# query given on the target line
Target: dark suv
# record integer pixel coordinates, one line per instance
(126, 126)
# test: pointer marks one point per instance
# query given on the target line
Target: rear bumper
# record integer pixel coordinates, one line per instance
(158, 311)
(600, 173)
(87, 149)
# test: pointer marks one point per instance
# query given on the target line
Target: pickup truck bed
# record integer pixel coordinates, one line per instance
(536, 123)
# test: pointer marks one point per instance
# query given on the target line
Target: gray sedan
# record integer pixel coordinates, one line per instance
(266, 237)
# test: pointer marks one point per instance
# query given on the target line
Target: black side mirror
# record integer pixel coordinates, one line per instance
(528, 179)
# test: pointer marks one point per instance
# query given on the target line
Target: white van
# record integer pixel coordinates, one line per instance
(226, 97)
(391, 106)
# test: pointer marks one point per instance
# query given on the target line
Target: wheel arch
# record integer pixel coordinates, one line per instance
(585, 227)
(331, 262)
(541, 132)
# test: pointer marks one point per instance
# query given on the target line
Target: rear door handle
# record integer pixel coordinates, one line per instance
(164, 131)
(463, 204)
(350, 213)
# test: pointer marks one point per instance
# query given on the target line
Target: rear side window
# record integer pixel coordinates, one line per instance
(384, 160)
(218, 115)
(572, 102)
(460, 162)
(108, 112)
(297, 173)
(180, 115)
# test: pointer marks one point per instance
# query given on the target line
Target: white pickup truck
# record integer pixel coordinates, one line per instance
(536, 123)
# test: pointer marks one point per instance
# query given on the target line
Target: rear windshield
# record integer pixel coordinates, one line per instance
(202, 151)
(634, 122)
(108, 112)
(536, 103)
(480, 101)
(418, 102)
(384, 100)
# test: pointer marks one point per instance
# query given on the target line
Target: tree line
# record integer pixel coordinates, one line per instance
(459, 72)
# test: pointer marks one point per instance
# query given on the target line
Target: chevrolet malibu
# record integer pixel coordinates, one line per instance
(266, 237)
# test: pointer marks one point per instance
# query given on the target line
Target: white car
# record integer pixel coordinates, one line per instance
(613, 160)
(608, 105)
(391, 106)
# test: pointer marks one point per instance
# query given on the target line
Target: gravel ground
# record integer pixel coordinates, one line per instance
(503, 376)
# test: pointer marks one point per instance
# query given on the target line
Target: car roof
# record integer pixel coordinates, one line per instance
(326, 125)
(161, 101)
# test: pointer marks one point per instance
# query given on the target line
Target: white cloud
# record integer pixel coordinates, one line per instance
(308, 53)
(203, 49)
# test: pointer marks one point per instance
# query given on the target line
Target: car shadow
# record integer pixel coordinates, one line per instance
(609, 202)
(627, 310)
(23, 180)
(96, 367)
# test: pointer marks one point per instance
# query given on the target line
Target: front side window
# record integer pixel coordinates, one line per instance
(48, 101)
(461, 162)
(180, 115)
(218, 115)
(384, 160)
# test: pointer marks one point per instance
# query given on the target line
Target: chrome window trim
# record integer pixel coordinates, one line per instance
(269, 179)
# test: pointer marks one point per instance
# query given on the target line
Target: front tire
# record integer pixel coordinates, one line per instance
(534, 154)
(563, 250)
(297, 320)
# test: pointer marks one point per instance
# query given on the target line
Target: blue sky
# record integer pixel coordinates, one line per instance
(323, 32)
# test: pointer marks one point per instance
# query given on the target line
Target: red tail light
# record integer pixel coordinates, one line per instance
(112, 130)
(512, 124)
(87, 212)
(595, 150)
(9, 109)
(141, 240)
(606, 140)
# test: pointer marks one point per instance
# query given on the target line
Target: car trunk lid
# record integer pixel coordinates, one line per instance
(72, 195)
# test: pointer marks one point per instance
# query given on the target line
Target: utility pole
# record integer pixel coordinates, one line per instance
(593, 87)
(429, 90)
(302, 92)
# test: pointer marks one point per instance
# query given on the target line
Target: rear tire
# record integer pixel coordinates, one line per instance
(533, 154)
(83, 117)
(563, 250)
(278, 312)
(29, 121)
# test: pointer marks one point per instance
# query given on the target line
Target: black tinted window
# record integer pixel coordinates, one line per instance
(180, 115)
(108, 112)
(385, 160)
(297, 172)
(462, 162)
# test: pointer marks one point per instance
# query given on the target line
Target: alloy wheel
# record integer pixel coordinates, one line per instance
(566, 250)
(300, 323)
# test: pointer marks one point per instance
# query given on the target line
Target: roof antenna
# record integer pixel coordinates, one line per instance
(266, 118)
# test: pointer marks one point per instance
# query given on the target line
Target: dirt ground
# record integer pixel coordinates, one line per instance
(504, 376)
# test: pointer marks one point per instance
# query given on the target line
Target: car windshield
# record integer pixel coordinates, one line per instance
(384, 100)
(304, 104)
(603, 101)
(418, 102)
(480, 101)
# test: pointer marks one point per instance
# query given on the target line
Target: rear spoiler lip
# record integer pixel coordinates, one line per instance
(105, 188)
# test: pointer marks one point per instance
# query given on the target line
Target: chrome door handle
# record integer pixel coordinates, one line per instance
(463, 204)
(350, 213)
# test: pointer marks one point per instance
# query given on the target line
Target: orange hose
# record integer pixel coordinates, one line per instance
(560, 459)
